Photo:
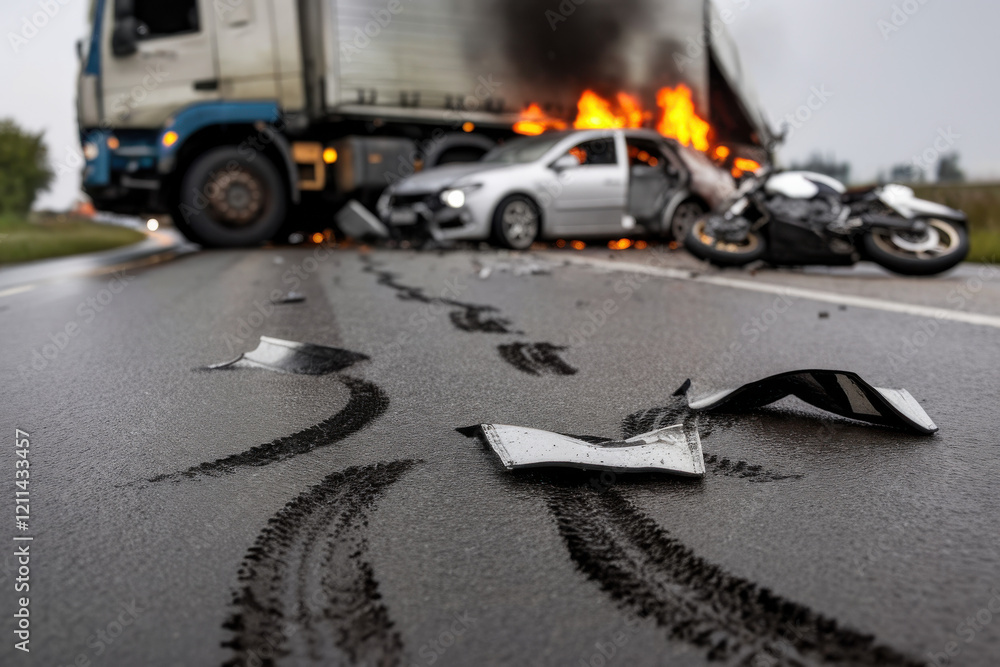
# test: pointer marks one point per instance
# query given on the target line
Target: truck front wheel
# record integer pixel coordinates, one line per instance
(228, 199)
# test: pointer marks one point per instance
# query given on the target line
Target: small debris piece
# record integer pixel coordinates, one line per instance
(291, 297)
(287, 356)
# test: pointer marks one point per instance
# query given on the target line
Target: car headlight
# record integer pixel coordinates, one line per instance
(455, 197)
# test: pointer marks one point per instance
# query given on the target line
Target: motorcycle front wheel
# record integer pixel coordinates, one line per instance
(942, 246)
(703, 245)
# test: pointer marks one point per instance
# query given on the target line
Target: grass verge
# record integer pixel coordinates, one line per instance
(22, 240)
(981, 201)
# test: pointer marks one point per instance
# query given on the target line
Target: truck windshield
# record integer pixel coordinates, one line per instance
(523, 150)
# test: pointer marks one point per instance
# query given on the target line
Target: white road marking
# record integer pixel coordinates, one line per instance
(794, 292)
(16, 290)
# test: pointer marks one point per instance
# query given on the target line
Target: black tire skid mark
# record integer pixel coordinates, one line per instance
(367, 403)
(536, 358)
(725, 467)
(476, 319)
(317, 546)
(470, 317)
(647, 572)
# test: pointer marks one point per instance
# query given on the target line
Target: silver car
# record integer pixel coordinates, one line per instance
(573, 184)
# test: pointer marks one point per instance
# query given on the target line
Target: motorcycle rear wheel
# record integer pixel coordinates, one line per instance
(704, 246)
(943, 246)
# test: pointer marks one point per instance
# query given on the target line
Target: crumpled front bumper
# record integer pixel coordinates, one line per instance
(414, 214)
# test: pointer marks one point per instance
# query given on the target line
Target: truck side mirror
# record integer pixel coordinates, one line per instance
(124, 39)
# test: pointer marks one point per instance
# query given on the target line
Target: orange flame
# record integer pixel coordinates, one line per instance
(634, 115)
(742, 165)
(677, 119)
(535, 121)
(596, 113)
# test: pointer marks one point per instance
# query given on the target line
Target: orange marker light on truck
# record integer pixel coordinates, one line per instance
(170, 138)
(330, 155)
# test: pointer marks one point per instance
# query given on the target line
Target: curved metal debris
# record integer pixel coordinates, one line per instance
(291, 357)
(841, 392)
(291, 297)
(675, 449)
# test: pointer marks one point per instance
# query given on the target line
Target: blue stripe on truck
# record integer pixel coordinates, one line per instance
(206, 114)
(93, 64)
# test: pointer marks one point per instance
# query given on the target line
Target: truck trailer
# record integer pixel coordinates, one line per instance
(245, 120)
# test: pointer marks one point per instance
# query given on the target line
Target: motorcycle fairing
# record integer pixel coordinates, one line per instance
(904, 201)
(803, 184)
(840, 392)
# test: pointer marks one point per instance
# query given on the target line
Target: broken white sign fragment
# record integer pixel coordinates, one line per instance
(675, 449)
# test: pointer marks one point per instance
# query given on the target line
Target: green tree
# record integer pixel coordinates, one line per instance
(948, 169)
(24, 168)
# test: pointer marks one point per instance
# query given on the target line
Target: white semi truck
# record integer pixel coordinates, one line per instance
(248, 119)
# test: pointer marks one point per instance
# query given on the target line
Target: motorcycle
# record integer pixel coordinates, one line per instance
(800, 217)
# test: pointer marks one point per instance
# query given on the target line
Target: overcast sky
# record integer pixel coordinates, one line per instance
(891, 93)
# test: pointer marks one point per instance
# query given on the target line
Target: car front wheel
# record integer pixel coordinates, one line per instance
(686, 214)
(517, 222)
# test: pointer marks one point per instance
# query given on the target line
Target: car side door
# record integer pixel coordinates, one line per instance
(656, 177)
(590, 196)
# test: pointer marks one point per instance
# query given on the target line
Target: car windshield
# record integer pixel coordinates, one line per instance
(523, 150)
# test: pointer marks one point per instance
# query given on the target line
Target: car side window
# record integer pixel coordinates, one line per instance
(163, 19)
(596, 152)
(642, 152)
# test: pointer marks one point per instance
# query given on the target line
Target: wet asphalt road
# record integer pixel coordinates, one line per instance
(243, 516)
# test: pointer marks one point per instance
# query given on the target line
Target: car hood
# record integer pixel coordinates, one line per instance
(436, 179)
